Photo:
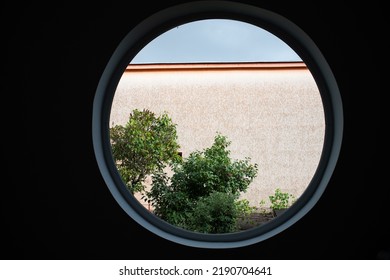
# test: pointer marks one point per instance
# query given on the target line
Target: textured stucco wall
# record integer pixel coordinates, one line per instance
(273, 116)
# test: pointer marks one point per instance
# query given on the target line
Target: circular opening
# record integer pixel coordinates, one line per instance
(190, 12)
(218, 76)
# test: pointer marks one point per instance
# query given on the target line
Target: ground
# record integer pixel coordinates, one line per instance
(255, 219)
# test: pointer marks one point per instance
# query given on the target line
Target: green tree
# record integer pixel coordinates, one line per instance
(203, 174)
(145, 145)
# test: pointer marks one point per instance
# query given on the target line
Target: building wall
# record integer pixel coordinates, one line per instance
(272, 113)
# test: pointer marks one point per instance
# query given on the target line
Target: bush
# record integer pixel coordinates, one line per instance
(170, 204)
(198, 185)
(281, 200)
(215, 213)
(212, 170)
(243, 207)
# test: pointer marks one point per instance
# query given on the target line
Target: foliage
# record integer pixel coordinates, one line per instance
(245, 212)
(281, 200)
(170, 204)
(215, 213)
(212, 170)
(262, 208)
(203, 174)
(146, 144)
(244, 208)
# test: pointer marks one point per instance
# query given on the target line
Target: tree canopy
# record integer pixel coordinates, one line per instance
(145, 145)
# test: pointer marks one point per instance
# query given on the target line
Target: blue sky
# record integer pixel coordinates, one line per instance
(216, 40)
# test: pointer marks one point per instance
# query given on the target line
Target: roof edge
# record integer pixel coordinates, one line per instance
(216, 66)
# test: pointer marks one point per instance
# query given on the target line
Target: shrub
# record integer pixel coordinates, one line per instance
(212, 170)
(170, 204)
(215, 213)
(198, 184)
(281, 200)
(243, 207)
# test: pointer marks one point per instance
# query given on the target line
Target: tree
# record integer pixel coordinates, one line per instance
(145, 145)
(202, 181)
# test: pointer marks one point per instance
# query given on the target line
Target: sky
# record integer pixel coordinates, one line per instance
(216, 40)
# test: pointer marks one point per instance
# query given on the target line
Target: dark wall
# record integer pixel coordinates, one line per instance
(54, 202)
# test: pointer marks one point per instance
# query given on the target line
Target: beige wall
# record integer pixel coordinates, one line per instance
(272, 113)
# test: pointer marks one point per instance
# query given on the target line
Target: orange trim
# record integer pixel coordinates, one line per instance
(216, 66)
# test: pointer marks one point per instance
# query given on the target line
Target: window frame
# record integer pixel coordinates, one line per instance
(163, 21)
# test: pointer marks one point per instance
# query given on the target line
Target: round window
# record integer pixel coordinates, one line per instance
(277, 136)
